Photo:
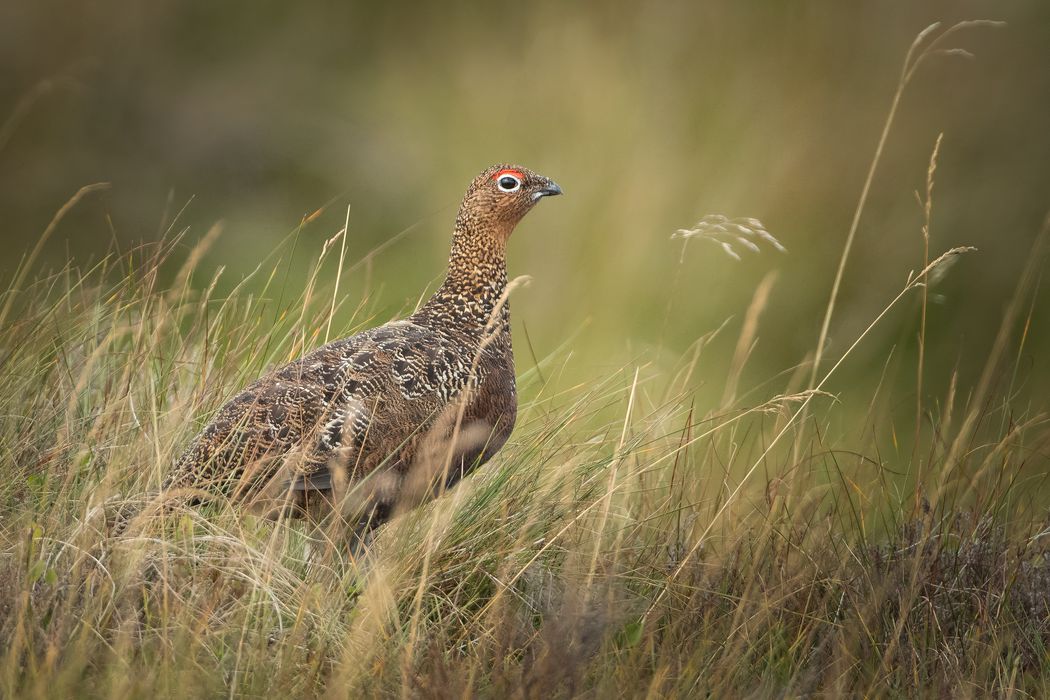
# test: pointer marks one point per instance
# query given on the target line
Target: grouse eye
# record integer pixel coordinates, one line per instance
(509, 183)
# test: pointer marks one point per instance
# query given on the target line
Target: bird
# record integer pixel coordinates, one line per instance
(392, 416)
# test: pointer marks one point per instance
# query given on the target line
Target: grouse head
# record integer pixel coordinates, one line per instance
(500, 196)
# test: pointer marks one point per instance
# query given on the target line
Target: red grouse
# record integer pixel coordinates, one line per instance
(386, 417)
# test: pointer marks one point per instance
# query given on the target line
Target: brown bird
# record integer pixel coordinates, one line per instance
(385, 418)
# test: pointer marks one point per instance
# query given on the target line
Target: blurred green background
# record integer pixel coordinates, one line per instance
(650, 115)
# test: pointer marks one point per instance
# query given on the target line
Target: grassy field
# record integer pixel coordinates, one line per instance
(636, 537)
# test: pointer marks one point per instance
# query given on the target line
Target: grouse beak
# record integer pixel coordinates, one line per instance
(550, 189)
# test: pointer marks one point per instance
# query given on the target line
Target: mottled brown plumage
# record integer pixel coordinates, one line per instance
(384, 418)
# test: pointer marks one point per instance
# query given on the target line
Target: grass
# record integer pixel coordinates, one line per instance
(628, 541)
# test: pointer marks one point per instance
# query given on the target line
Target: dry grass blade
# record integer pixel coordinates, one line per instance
(911, 64)
(27, 264)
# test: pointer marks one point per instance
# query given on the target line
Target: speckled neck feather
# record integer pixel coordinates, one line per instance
(476, 278)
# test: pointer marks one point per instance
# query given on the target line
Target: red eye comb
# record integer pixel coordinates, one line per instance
(507, 171)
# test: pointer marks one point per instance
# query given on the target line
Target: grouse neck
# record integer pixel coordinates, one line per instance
(476, 277)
